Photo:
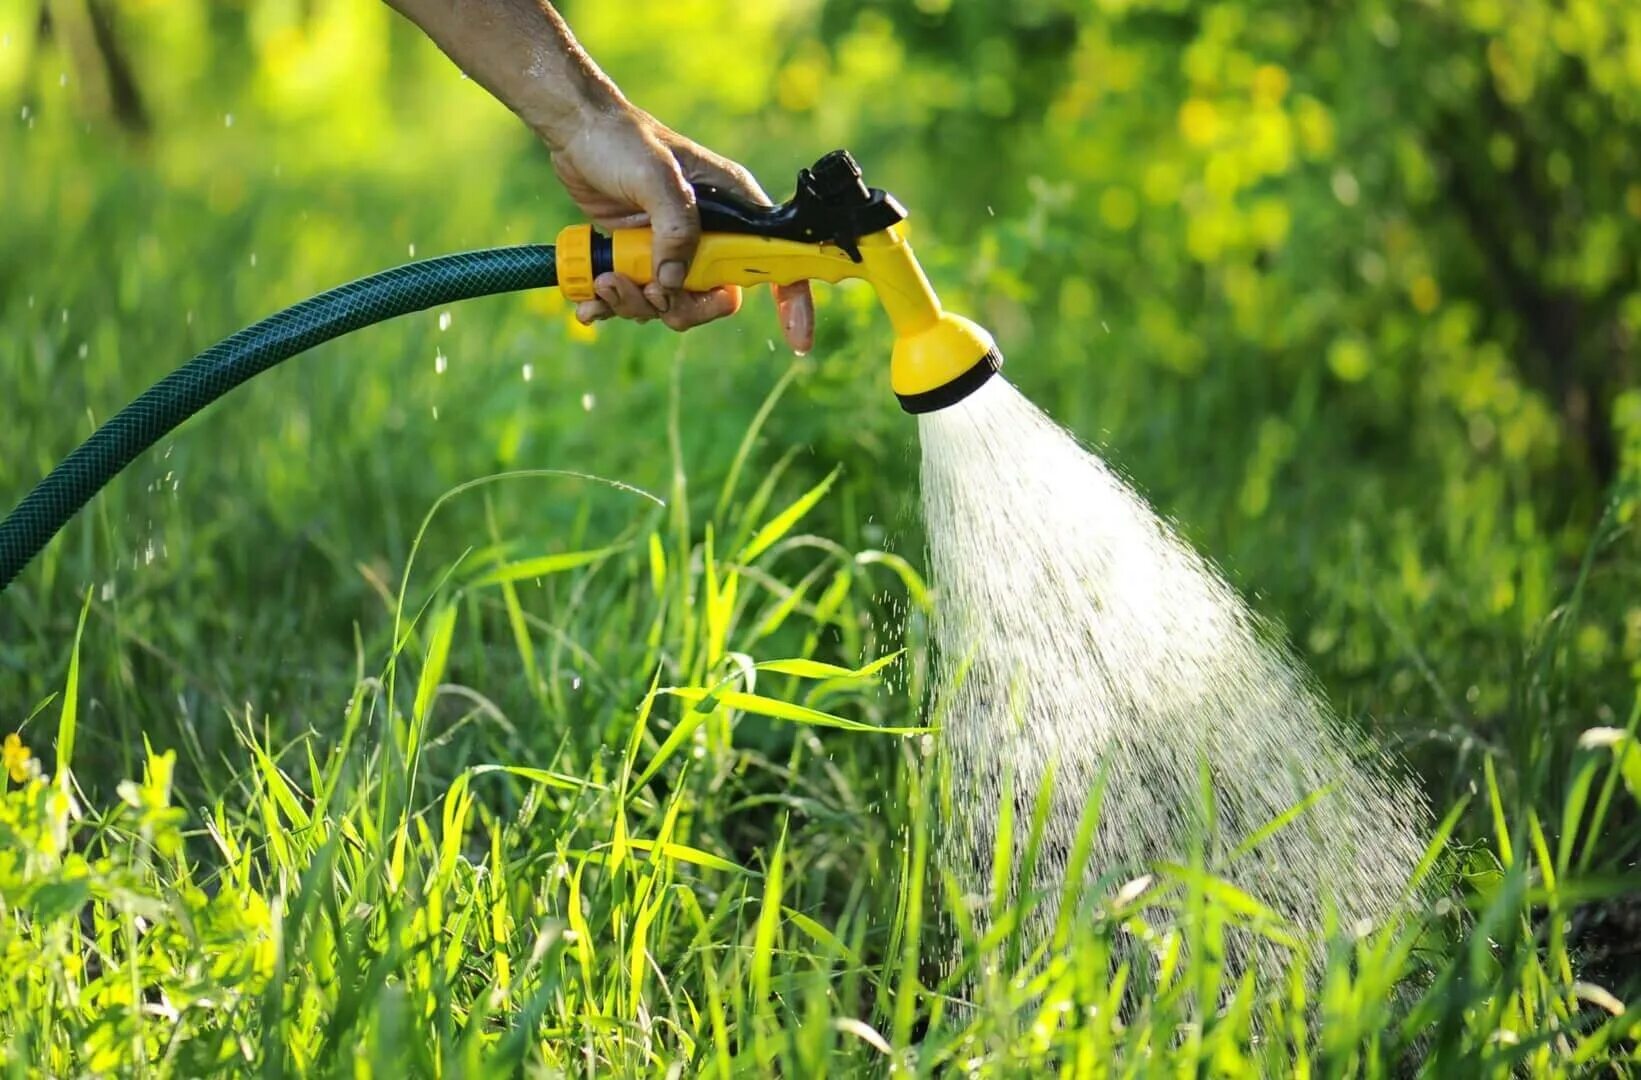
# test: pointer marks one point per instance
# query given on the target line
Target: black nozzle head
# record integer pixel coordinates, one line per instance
(836, 180)
(949, 394)
(832, 205)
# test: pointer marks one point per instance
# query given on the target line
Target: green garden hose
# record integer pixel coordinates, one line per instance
(391, 293)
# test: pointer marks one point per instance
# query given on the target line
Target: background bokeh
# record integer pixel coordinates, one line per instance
(1349, 290)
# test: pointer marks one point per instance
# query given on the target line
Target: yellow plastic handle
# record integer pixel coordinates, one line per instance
(720, 259)
(735, 259)
(738, 259)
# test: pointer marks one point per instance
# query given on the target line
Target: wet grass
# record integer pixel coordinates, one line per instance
(700, 846)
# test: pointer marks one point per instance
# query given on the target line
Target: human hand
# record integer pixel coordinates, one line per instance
(626, 170)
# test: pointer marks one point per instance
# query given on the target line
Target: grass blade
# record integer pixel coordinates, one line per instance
(782, 523)
(781, 710)
(68, 719)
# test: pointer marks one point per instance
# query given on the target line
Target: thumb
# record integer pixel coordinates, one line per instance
(675, 224)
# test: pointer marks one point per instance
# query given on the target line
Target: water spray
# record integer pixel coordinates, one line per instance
(1103, 654)
(833, 228)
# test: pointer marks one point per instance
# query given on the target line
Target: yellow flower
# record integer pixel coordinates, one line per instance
(1199, 122)
(1270, 84)
(14, 758)
(1425, 293)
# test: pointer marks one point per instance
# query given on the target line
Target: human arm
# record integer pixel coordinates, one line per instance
(620, 165)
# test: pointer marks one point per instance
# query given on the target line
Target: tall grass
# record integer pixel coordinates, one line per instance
(699, 840)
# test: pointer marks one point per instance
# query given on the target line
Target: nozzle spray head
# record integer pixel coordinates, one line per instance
(940, 365)
(834, 227)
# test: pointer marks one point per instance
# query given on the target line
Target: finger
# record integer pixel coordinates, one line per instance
(623, 221)
(603, 209)
(675, 225)
(692, 309)
(624, 297)
(702, 166)
(795, 305)
(659, 296)
(591, 311)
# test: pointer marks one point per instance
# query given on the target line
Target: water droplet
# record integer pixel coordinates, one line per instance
(990, 211)
(440, 362)
(529, 372)
(62, 78)
(24, 113)
(253, 258)
(587, 402)
(228, 120)
(435, 412)
(412, 251)
(444, 320)
(84, 349)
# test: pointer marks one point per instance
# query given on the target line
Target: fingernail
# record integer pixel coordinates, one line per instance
(658, 298)
(672, 274)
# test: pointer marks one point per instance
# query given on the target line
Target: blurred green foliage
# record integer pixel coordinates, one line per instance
(1349, 289)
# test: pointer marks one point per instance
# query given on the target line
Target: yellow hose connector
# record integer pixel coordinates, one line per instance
(574, 250)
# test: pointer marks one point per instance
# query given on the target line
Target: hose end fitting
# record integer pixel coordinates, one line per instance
(941, 364)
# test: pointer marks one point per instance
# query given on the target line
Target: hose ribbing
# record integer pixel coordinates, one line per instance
(253, 350)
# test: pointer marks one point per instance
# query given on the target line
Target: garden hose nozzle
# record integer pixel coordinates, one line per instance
(833, 228)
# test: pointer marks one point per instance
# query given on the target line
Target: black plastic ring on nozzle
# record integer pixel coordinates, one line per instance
(603, 254)
(956, 390)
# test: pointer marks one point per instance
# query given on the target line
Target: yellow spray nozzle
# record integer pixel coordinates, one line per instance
(833, 229)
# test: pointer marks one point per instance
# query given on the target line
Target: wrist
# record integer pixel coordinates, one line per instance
(567, 107)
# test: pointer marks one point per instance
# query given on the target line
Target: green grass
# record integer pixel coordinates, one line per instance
(424, 744)
(726, 869)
